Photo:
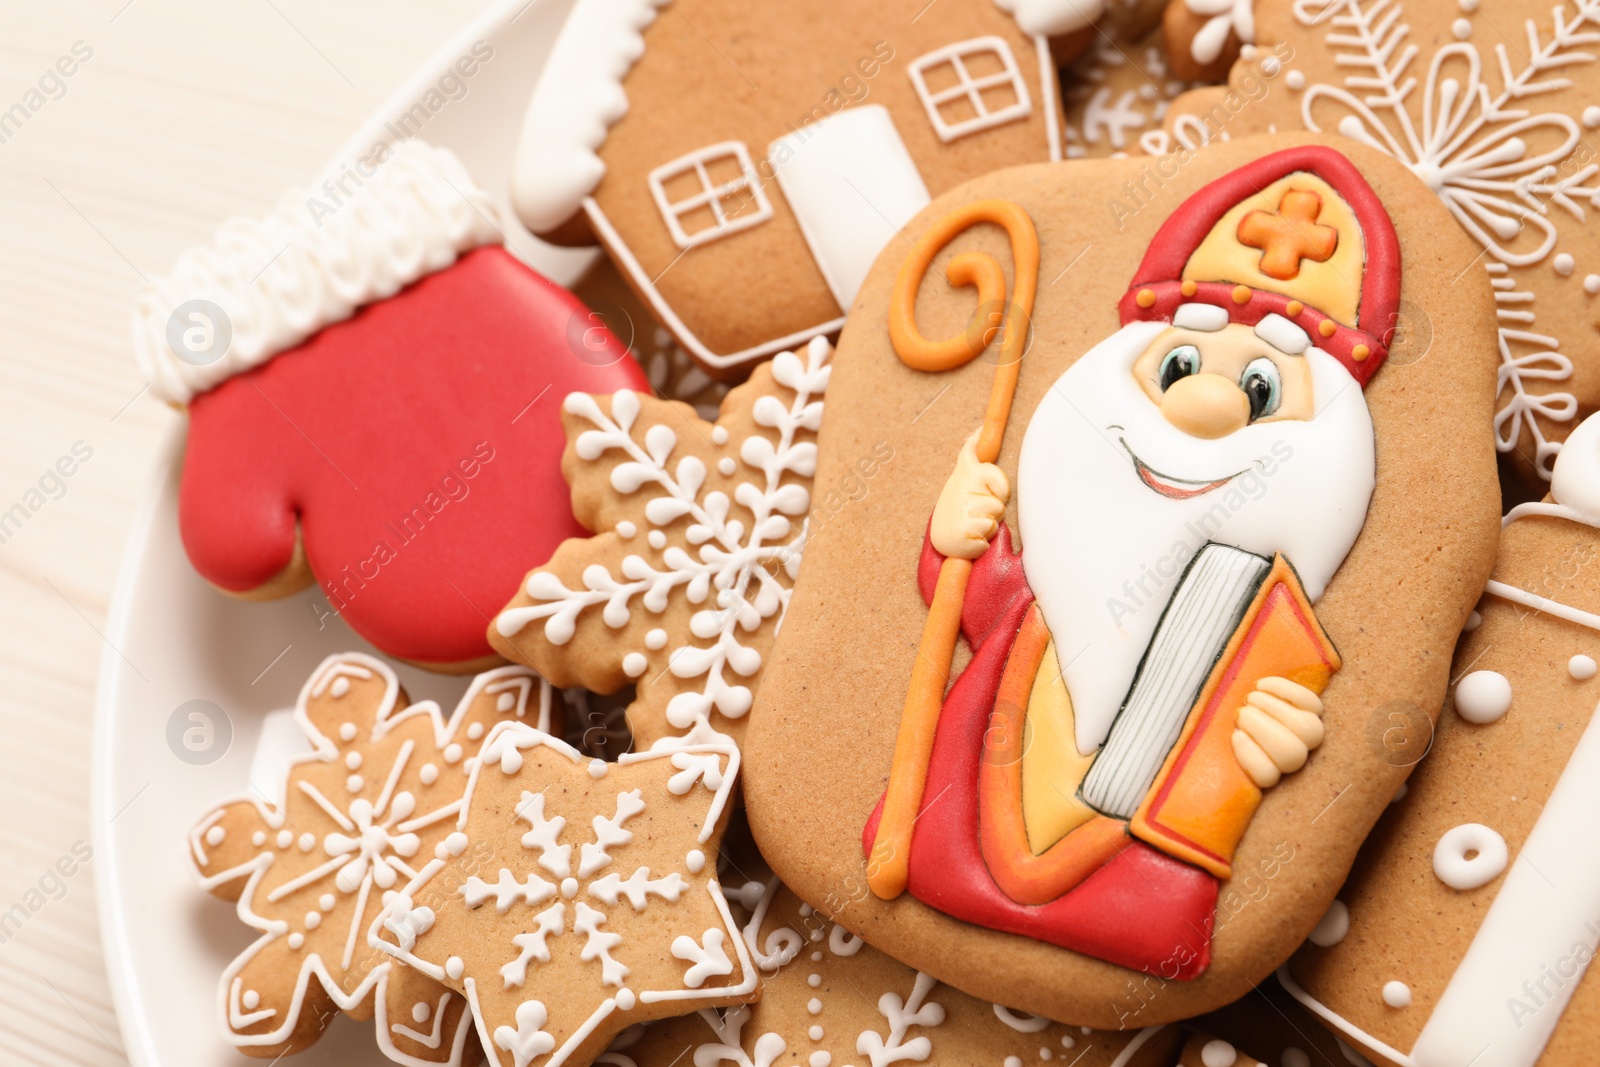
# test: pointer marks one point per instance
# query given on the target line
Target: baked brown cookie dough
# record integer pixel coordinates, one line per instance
(1356, 517)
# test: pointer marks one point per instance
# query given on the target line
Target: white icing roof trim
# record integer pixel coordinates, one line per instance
(309, 264)
(1051, 18)
(578, 97)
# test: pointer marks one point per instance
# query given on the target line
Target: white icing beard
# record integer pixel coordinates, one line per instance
(1103, 551)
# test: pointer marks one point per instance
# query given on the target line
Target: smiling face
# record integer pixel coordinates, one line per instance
(1160, 439)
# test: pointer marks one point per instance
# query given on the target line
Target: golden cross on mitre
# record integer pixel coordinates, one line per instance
(1290, 235)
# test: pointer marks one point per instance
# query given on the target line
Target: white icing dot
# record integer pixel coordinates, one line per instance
(598, 769)
(657, 539)
(656, 639)
(1564, 264)
(815, 1033)
(1296, 80)
(1591, 116)
(354, 783)
(285, 838)
(726, 465)
(626, 529)
(307, 842)
(1469, 856)
(569, 887)
(296, 939)
(1295, 1057)
(1581, 667)
(1218, 1053)
(1045, 1054)
(1332, 927)
(626, 999)
(813, 980)
(695, 861)
(506, 702)
(475, 731)
(326, 902)
(816, 935)
(352, 760)
(452, 753)
(1483, 697)
(456, 843)
(816, 957)
(820, 1059)
(313, 920)
(251, 999)
(1067, 1042)
(429, 774)
(1469, 6)
(1397, 994)
(814, 1006)
(340, 687)
(258, 838)
(805, 911)
(1591, 284)
(454, 968)
(419, 1012)
(1013, 1061)
(1269, 66)
(634, 664)
(719, 435)
(216, 835)
(1474, 620)
(347, 732)
(1461, 28)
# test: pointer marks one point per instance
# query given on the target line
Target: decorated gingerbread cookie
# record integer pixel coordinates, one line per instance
(829, 998)
(700, 529)
(1492, 106)
(1204, 37)
(1219, 533)
(371, 381)
(1115, 93)
(697, 139)
(1465, 932)
(311, 867)
(576, 897)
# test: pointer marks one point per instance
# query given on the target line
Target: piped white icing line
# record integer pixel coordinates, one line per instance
(1282, 334)
(578, 97)
(1222, 17)
(310, 263)
(1050, 18)
(1206, 317)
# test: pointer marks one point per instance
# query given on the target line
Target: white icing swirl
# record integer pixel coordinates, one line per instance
(311, 263)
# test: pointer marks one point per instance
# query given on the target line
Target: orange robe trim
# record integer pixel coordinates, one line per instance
(1202, 800)
(1024, 877)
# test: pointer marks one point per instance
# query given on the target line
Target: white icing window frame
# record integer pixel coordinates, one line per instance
(710, 195)
(969, 88)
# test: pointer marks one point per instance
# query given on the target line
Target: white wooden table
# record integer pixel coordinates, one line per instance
(183, 113)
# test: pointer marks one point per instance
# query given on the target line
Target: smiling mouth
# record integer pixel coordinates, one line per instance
(1168, 486)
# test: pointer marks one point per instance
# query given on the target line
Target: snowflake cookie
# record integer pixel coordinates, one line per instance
(1493, 107)
(576, 896)
(828, 1000)
(380, 789)
(700, 529)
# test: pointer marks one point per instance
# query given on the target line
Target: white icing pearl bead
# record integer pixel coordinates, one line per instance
(419, 1012)
(626, 529)
(429, 774)
(820, 1059)
(695, 861)
(1483, 697)
(1013, 1061)
(634, 664)
(626, 999)
(1296, 80)
(656, 639)
(815, 1033)
(726, 465)
(1591, 116)
(347, 732)
(719, 435)
(1564, 264)
(1218, 1054)
(814, 1006)
(1591, 284)
(216, 835)
(1461, 29)
(1451, 862)
(1581, 667)
(340, 687)
(1330, 930)
(455, 968)
(1397, 994)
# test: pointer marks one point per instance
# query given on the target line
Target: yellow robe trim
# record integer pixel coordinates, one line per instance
(1052, 767)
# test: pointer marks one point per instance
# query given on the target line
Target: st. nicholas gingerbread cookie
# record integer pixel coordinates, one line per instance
(1234, 533)
(371, 383)
(743, 163)
(378, 794)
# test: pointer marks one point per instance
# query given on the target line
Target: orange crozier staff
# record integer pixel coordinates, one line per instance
(891, 849)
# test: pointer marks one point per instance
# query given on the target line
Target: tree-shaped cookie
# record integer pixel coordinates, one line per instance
(699, 533)
(375, 798)
(576, 896)
(829, 998)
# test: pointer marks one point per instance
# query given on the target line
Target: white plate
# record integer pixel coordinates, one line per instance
(173, 639)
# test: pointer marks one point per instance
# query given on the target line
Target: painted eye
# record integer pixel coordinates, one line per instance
(1179, 363)
(1263, 384)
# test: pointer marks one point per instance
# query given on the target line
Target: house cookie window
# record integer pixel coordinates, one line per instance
(970, 86)
(709, 193)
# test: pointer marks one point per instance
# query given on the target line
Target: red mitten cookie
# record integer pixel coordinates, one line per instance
(370, 410)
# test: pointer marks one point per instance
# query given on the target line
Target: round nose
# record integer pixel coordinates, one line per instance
(1206, 405)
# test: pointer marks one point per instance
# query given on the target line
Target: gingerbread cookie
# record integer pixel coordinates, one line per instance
(1492, 107)
(829, 998)
(1465, 932)
(1204, 37)
(1277, 1029)
(700, 529)
(1229, 544)
(1115, 93)
(694, 139)
(576, 897)
(370, 378)
(310, 868)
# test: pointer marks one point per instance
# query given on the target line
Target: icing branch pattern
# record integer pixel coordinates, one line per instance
(902, 1015)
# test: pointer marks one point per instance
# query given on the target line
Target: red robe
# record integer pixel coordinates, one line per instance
(1143, 909)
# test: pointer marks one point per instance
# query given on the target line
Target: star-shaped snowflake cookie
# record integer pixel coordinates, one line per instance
(577, 896)
(700, 529)
(376, 797)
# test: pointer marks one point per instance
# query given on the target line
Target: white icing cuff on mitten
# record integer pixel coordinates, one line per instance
(320, 256)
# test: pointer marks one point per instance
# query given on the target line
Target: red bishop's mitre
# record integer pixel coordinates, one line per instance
(1297, 234)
